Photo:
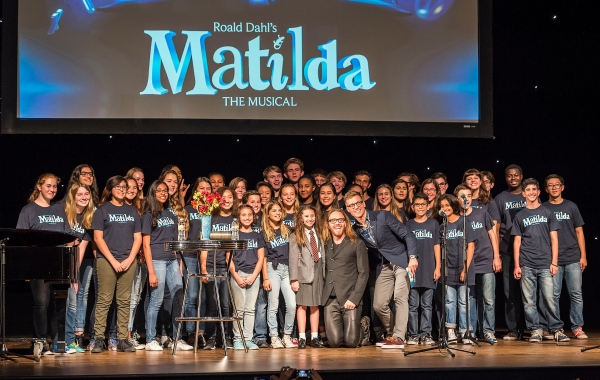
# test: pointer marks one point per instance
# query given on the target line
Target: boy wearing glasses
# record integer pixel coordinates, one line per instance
(395, 248)
(571, 251)
(427, 233)
(536, 261)
(442, 181)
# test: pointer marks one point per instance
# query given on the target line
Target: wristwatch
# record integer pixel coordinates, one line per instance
(413, 257)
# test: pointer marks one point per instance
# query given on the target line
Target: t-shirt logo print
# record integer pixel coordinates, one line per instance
(164, 222)
(534, 220)
(560, 216)
(514, 204)
(453, 234)
(120, 218)
(422, 234)
(50, 219)
(476, 225)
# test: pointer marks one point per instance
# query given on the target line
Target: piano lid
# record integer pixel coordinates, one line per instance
(34, 238)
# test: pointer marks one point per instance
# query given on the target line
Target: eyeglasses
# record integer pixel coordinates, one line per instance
(86, 174)
(355, 205)
(554, 185)
(161, 191)
(122, 188)
(337, 221)
(442, 184)
(420, 204)
(487, 181)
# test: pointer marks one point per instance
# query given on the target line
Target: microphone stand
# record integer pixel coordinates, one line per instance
(467, 334)
(442, 343)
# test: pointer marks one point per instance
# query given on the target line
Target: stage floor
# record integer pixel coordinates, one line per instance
(518, 357)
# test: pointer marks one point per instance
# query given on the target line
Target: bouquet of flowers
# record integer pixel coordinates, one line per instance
(206, 202)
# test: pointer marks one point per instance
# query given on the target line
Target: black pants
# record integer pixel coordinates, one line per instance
(342, 326)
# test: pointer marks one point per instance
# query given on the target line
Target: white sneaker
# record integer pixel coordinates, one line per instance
(276, 342)
(287, 342)
(153, 346)
(451, 335)
(181, 345)
(135, 344)
(165, 341)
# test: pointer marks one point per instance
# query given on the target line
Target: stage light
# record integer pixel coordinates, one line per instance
(554, 17)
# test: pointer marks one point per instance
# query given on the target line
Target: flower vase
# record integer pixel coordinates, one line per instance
(206, 225)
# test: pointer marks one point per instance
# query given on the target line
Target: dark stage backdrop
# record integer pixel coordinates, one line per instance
(545, 98)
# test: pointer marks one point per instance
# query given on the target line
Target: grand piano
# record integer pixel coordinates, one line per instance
(38, 255)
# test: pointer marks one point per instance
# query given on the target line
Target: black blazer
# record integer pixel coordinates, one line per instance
(347, 271)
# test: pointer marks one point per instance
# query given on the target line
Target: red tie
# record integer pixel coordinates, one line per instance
(313, 246)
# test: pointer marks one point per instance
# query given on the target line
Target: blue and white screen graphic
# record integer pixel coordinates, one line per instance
(365, 60)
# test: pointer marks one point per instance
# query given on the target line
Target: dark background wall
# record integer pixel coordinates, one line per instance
(545, 102)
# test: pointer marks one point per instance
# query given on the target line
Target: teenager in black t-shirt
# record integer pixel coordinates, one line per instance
(384, 200)
(327, 198)
(289, 200)
(364, 179)
(273, 176)
(432, 190)
(266, 192)
(306, 190)
(85, 174)
(338, 180)
(239, 186)
(400, 192)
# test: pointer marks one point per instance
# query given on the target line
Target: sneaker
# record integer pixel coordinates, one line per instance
(181, 345)
(536, 336)
(560, 336)
(413, 340)
(99, 346)
(579, 334)
(510, 336)
(262, 344)
(546, 335)
(135, 344)
(74, 348)
(287, 342)
(316, 343)
(428, 340)
(112, 344)
(153, 346)
(365, 325)
(79, 340)
(210, 344)
(378, 337)
(229, 343)
(295, 341)
(91, 345)
(124, 346)
(393, 342)
(276, 342)
(452, 335)
(165, 341)
(238, 345)
(201, 341)
(302, 343)
(251, 345)
(383, 341)
(489, 338)
(46, 351)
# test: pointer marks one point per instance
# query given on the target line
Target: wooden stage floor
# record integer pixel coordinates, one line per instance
(518, 359)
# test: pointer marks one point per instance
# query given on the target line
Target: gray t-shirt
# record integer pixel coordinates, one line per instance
(534, 226)
(219, 223)
(490, 207)
(246, 260)
(481, 222)
(427, 234)
(165, 230)
(569, 218)
(51, 218)
(118, 224)
(454, 251)
(508, 205)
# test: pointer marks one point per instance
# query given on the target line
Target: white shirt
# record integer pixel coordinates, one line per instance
(307, 232)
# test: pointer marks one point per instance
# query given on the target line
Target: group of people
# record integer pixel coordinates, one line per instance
(321, 252)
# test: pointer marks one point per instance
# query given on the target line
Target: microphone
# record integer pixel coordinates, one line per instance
(464, 198)
(442, 213)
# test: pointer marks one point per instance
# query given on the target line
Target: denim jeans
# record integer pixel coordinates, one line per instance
(485, 284)
(245, 301)
(422, 297)
(42, 299)
(167, 272)
(454, 293)
(211, 303)
(71, 316)
(573, 277)
(86, 271)
(191, 300)
(513, 302)
(280, 281)
(531, 279)
(139, 281)
(260, 316)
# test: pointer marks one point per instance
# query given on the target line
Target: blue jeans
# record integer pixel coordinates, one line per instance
(191, 300)
(71, 316)
(420, 297)
(573, 277)
(139, 281)
(451, 305)
(211, 303)
(531, 279)
(167, 272)
(260, 315)
(280, 281)
(486, 303)
(86, 271)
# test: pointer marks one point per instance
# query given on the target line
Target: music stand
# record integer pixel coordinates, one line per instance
(442, 343)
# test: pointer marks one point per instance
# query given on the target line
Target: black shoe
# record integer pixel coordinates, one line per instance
(201, 341)
(125, 346)
(229, 343)
(316, 343)
(99, 346)
(210, 344)
(79, 340)
(302, 343)
(262, 344)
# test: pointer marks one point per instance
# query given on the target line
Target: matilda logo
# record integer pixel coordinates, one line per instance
(476, 225)
(194, 215)
(120, 218)
(423, 234)
(319, 73)
(78, 229)
(221, 227)
(514, 205)
(50, 219)
(256, 229)
(289, 222)
(534, 220)
(278, 241)
(252, 244)
(453, 234)
(560, 216)
(165, 221)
